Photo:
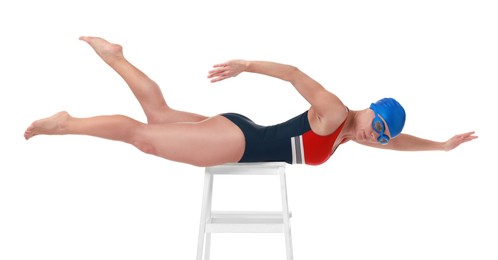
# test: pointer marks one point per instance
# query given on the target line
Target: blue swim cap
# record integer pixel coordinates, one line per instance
(393, 113)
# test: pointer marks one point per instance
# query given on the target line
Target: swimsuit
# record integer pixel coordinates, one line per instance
(292, 141)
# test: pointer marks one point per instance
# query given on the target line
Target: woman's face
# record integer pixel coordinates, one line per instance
(365, 131)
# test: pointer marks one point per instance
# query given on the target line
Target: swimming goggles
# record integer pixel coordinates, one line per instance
(379, 127)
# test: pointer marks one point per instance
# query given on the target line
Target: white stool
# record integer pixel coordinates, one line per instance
(243, 221)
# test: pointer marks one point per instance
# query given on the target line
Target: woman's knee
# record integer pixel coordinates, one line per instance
(141, 141)
(145, 147)
(159, 116)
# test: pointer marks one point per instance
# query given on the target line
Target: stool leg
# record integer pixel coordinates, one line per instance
(208, 179)
(285, 212)
(207, 251)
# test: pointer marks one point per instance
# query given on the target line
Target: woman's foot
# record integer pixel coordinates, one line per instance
(109, 52)
(47, 126)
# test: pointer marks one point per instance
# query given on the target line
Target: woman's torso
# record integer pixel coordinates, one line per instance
(292, 141)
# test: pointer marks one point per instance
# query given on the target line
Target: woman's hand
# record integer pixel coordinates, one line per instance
(457, 140)
(226, 70)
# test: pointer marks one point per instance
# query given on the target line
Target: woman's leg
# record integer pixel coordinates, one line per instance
(212, 141)
(145, 90)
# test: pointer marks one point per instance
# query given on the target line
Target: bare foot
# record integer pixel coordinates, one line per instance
(47, 126)
(109, 52)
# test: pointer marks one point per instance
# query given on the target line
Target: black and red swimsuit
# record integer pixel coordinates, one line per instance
(292, 141)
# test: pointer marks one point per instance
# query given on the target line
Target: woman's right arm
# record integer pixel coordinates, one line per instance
(233, 68)
(325, 103)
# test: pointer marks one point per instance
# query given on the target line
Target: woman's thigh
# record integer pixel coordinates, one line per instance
(213, 141)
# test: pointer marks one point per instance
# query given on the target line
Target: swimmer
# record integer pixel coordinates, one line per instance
(309, 138)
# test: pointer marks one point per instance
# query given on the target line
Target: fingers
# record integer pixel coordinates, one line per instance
(459, 139)
(470, 138)
(217, 71)
(467, 136)
(224, 70)
(217, 75)
(468, 133)
(220, 72)
(218, 79)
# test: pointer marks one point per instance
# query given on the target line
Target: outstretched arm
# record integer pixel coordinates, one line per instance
(325, 104)
(406, 142)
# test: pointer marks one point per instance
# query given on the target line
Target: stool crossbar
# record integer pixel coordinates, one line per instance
(243, 221)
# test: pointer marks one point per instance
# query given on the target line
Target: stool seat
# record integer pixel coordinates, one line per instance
(267, 168)
(243, 221)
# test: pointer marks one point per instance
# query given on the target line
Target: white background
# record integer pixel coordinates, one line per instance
(78, 197)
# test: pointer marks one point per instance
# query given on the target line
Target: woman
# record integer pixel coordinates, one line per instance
(194, 139)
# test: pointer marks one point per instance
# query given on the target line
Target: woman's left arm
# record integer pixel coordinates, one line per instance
(406, 142)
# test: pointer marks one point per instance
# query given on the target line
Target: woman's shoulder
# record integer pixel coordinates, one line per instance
(325, 124)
